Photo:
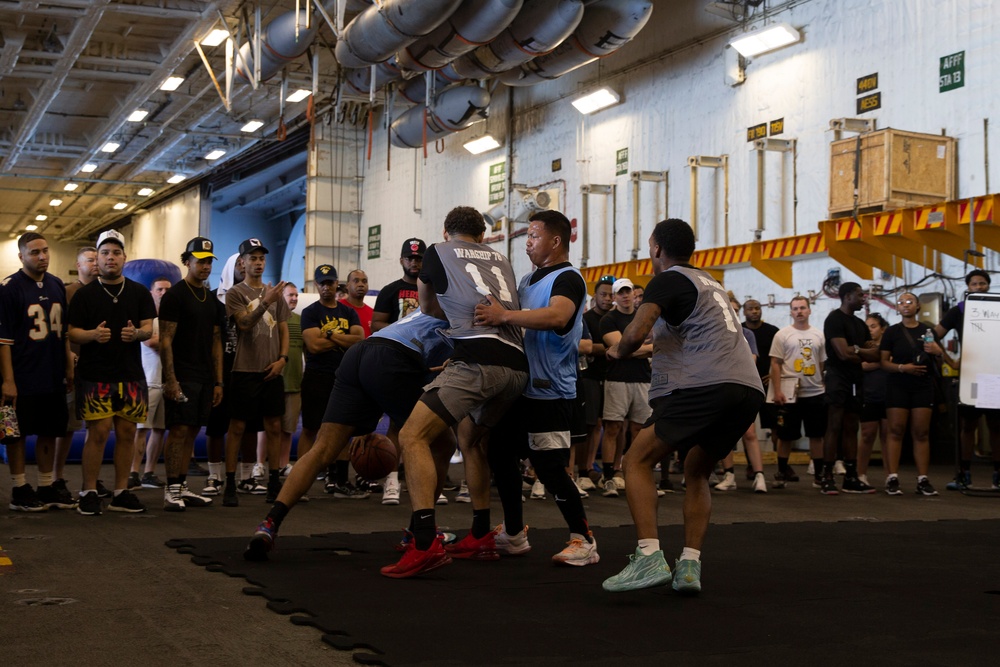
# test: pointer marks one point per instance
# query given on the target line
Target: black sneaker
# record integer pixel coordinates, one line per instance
(55, 498)
(126, 501)
(665, 485)
(787, 475)
(229, 497)
(892, 487)
(828, 487)
(133, 481)
(90, 504)
(24, 499)
(196, 470)
(448, 485)
(855, 485)
(924, 488)
(151, 481)
(103, 491)
(60, 487)
(347, 491)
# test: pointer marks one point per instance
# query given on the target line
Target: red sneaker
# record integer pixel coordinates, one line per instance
(471, 548)
(415, 561)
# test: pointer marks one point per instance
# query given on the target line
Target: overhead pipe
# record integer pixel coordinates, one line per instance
(381, 30)
(284, 39)
(606, 27)
(360, 79)
(453, 110)
(474, 23)
(539, 28)
(415, 90)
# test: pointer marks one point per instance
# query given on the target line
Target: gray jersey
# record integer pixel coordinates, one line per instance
(475, 270)
(705, 349)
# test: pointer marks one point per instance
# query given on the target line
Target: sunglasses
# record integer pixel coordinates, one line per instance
(905, 302)
(606, 280)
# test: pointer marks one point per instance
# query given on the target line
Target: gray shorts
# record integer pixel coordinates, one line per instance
(484, 392)
(626, 401)
(156, 416)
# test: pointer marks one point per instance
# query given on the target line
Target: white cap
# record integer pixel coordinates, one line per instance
(111, 235)
(621, 284)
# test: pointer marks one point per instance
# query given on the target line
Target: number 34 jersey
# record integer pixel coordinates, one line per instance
(32, 321)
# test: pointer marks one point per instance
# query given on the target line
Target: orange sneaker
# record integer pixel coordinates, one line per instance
(414, 561)
(471, 548)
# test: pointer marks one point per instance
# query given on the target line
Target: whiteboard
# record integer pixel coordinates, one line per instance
(980, 355)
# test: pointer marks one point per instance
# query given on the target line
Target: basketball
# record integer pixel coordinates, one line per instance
(373, 456)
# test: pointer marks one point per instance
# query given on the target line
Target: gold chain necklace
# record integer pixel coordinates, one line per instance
(114, 297)
(204, 292)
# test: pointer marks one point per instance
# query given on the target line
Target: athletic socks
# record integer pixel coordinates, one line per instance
(782, 463)
(216, 470)
(481, 524)
(342, 470)
(274, 478)
(690, 554)
(44, 479)
(729, 470)
(851, 466)
(278, 513)
(18, 480)
(246, 470)
(609, 470)
(424, 528)
(649, 547)
(231, 480)
(818, 467)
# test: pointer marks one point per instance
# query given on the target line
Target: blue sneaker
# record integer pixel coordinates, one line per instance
(687, 577)
(641, 572)
(262, 541)
(963, 481)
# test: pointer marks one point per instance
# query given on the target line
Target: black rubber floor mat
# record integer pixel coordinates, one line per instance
(890, 593)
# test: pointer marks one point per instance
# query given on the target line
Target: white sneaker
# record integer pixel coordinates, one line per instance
(463, 493)
(390, 494)
(811, 470)
(172, 499)
(511, 545)
(610, 490)
(728, 483)
(258, 471)
(619, 480)
(537, 491)
(192, 499)
(213, 487)
(457, 457)
(286, 471)
(839, 469)
(583, 492)
(759, 483)
(586, 484)
(442, 500)
(864, 478)
(578, 552)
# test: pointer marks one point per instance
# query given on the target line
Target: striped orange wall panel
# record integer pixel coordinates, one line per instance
(848, 230)
(983, 210)
(888, 224)
(793, 246)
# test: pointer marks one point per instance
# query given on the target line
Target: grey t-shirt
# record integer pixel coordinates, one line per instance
(260, 346)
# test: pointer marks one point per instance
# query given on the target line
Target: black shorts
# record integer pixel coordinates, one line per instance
(971, 413)
(769, 416)
(316, 391)
(592, 393)
(252, 398)
(45, 414)
(578, 421)
(194, 412)
(873, 411)
(843, 390)
(375, 377)
(810, 412)
(712, 417)
(909, 397)
(218, 417)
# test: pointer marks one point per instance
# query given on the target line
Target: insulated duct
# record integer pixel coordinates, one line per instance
(382, 30)
(279, 45)
(454, 109)
(606, 27)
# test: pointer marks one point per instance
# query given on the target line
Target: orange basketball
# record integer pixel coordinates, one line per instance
(373, 456)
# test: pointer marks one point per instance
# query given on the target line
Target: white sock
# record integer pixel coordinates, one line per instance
(649, 547)
(394, 476)
(118, 492)
(920, 478)
(891, 476)
(86, 491)
(246, 470)
(690, 554)
(18, 480)
(217, 470)
(44, 478)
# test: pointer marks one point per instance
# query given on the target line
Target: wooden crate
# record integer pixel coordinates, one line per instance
(897, 169)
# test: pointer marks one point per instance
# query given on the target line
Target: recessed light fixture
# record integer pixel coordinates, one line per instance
(55, 202)
(216, 37)
(88, 168)
(596, 100)
(145, 192)
(69, 187)
(298, 95)
(766, 39)
(137, 115)
(30, 228)
(252, 126)
(120, 205)
(481, 144)
(41, 217)
(172, 83)
(215, 154)
(110, 147)
(176, 178)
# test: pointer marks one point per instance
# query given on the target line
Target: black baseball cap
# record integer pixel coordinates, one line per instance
(324, 273)
(413, 248)
(250, 245)
(200, 248)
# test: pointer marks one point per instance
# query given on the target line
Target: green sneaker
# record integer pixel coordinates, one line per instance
(687, 577)
(641, 572)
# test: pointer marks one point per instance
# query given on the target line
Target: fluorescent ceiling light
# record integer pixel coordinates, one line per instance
(176, 178)
(41, 217)
(766, 39)
(110, 147)
(481, 144)
(137, 115)
(172, 83)
(30, 228)
(252, 126)
(145, 192)
(69, 187)
(215, 154)
(298, 95)
(120, 205)
(55, 202)
(596, 100)
(216, 37)
(89, 167)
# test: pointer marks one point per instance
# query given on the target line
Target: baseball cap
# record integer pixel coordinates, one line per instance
(200, 248)
(606, 280)
(111, 235)
(324, 273)
(413, 248)
(621, 284)
(250, 245)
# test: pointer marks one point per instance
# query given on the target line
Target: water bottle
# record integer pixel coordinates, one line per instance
(928, 336)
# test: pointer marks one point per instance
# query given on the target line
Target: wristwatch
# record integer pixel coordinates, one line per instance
(283, 356)
(857, 350)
